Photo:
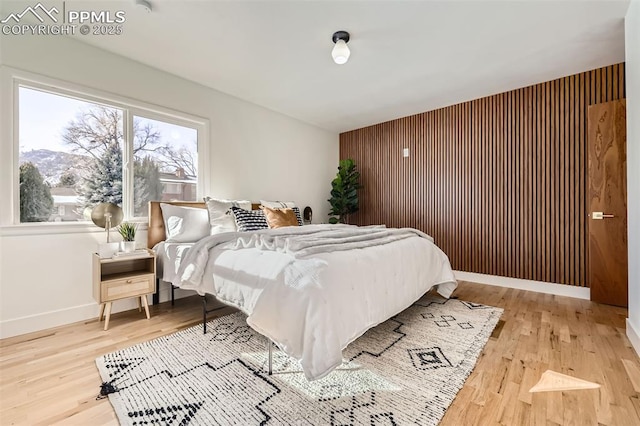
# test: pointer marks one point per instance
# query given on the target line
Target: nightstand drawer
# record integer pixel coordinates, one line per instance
(127, 287)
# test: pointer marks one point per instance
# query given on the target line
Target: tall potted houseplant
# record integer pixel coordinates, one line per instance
(344, 192)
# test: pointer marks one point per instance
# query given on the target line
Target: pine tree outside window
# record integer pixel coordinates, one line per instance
(75, 153)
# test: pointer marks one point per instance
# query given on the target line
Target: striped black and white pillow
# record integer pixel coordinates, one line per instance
(296, 210)
(249, 220)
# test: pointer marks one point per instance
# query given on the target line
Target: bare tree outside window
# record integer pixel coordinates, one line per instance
(80, 157)
(175, 159)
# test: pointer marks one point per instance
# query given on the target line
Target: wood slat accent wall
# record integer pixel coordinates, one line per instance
(499, 182)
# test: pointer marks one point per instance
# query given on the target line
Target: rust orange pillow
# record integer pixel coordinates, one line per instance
(279, 218)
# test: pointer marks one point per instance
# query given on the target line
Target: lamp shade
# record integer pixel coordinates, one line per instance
(340, 52)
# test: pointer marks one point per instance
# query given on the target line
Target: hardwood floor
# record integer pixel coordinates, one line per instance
(50, 377)
(543, 332)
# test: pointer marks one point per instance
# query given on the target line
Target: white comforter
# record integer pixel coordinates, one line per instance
(168, 259)
(315, 289)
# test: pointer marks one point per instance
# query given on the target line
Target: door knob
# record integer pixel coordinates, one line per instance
(600, 215)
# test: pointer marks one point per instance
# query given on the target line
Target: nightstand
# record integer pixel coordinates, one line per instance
(123, 278)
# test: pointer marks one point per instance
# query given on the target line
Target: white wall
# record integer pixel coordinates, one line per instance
(45, 280)
(632, 47)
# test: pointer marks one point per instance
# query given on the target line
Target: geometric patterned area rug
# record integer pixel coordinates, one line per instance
(406, 370)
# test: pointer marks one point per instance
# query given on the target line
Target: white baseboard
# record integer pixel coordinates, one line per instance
(50, 319)
(634, 336)
(37, 322)
(529, 285)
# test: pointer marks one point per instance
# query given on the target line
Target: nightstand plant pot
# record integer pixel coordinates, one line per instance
(128, 246)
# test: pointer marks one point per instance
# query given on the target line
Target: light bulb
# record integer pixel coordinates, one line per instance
(340, 52)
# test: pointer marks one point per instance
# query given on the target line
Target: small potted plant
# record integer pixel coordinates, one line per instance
(128, 232)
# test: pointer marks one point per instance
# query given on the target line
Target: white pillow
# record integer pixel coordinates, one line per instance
(184, 224)
(219, 219)
(278, 204)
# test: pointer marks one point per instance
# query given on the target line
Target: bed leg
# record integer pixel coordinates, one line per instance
(270, 357)
(156, 294)
(173, 289)
(204, 315)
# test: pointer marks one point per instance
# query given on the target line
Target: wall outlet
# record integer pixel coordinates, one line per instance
(405, 152)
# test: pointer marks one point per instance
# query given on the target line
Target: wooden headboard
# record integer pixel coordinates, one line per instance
(156, 231)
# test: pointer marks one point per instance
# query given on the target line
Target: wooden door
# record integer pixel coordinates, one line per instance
(607, 198)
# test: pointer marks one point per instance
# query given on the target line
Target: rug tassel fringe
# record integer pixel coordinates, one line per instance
(105, 389)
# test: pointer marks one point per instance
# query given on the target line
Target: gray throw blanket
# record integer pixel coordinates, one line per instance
(314, 239)
(298, 242)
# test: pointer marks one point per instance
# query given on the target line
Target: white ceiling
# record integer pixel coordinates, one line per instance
(406, 56)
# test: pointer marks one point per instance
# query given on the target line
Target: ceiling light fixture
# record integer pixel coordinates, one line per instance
(340, 52)
(144, 5)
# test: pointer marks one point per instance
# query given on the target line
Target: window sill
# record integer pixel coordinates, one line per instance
(56, 228)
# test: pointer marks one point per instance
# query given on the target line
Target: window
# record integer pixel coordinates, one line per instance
(75, 153)
(165, 163)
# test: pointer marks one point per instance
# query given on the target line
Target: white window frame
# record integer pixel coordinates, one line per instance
(10, 221)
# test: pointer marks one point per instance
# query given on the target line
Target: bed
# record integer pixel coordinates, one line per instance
(313, 289)
(168, 254)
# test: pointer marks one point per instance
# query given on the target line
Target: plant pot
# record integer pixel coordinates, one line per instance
(128, 246)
